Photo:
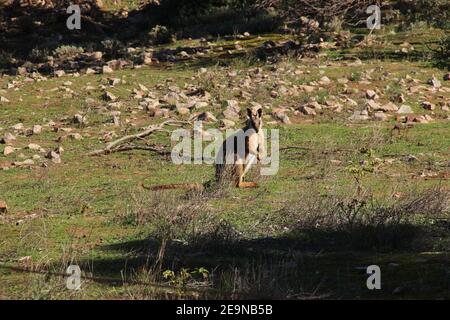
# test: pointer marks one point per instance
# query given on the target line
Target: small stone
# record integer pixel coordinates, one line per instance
(55, 157)
(307, 89)
(204, 116)
(18, 127)
(428, 105)
(3, 207)
(107, 70)
(158, 113)
(8, 150)
(324, 81)
(97, 55)
(78, 119)
(182, 110)
(359, 116)
(200, 104)
(372, 105)
(184, 54)
(28, 162)
(400, 98)
(232, 111)
(405, 109)
(108, 96)
(281, 116)
(388, 107)
(37, 129)
(90, 71)
(59, 73)
(75, 136)
(372, 95)
(8, 138)
(380, 116)
(225, 123)
(434, 82)
(307, 111)
(34, 146)
(3, 100)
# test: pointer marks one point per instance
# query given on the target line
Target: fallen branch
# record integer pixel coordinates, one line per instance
(119, 144)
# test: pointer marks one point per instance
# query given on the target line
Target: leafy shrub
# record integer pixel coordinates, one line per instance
(39, 55)
(67, 51)
(160, 35)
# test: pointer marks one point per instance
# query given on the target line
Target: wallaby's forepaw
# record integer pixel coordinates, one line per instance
(247, 185)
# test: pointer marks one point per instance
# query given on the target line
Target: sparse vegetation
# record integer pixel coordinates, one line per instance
(349, 192)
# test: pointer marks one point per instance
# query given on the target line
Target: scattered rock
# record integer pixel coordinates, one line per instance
(8, 138)
(75, 136)
(281, 116)
(324, 81)
(372, 105)
(204, 116)
(107, 70)
(3, 100)
(37, 129)
(307, 89)
(59, 73)
(372, 95)
(232, 111)
(34, 146)
(388, 107)
(307, 111)
(405, 109)
(3, 207)
(359, 116)
(434, 82)
(226, 124)
(159, 113)
(96, 56)
(380, 116)
(78, 119)
(428, 105)
(400, 98)
(18, 127)
(54, 156)
(8, 150)
(182, 110)
(108, 96)
(28, 162)
(90, 71)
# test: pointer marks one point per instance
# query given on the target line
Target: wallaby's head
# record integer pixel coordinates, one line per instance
(255, 118)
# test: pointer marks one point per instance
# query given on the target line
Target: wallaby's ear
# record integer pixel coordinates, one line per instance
(260, 112)
(249, 113)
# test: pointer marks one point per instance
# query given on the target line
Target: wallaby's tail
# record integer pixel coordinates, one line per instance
(184, 186)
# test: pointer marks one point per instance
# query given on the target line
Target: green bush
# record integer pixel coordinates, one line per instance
(160, 35)
(68, 51)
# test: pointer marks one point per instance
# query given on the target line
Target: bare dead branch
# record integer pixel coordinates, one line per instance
(121, 144)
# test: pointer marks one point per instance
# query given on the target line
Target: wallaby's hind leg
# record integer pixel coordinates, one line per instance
(239, 178)
(238, 173)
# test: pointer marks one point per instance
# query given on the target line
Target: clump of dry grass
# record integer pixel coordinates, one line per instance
(362, 221)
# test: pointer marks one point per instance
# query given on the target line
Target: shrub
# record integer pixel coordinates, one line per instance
(39, 55)
(160, 35)
(68, 51)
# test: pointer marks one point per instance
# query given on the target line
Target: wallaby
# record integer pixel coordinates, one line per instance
(237, 154)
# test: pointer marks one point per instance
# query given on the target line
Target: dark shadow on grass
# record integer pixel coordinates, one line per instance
(302, 262)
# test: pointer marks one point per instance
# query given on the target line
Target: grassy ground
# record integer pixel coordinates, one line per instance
(91, 211)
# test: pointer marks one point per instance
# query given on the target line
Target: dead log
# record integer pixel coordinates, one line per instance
(122, 144)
